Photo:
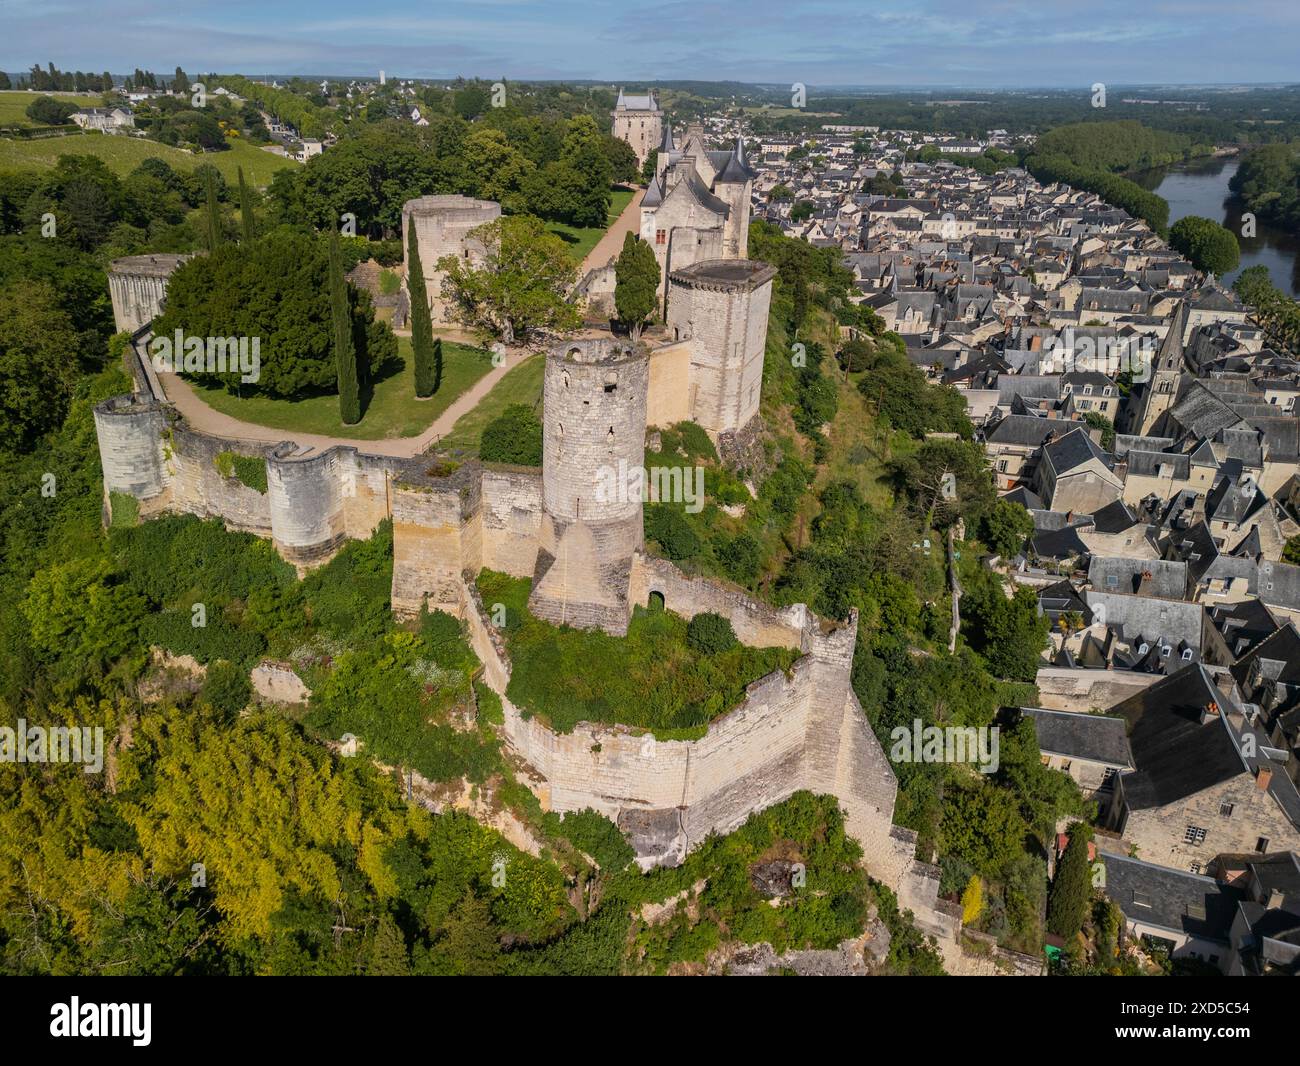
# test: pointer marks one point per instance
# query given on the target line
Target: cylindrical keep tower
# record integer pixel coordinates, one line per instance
(594, 421)
(594, 408)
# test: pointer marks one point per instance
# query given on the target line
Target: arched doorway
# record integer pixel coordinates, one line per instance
(656, 602)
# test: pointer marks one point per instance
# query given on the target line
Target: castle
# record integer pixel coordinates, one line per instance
(697, 205)
(584, 554)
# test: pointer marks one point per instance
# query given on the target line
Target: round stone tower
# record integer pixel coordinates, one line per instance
(442, 227)
(131, 445)
(593, 447)
(721, 306)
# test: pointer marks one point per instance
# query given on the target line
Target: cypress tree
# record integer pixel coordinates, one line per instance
(636, 277)
(245, 208)
(426, 374)
(1071, 892)
(212, 211)
(345, 356)
(437, 364)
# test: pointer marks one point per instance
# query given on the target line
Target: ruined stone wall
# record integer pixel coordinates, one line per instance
(136, 299)
(669, 399)
(312, 503)
(436, 538)
(137, 287)
(511, 510)
(197, 486)
(756, 624)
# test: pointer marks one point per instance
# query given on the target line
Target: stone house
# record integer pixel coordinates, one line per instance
(1206, 780)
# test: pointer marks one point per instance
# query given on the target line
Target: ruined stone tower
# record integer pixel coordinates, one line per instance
(442, 227)
(594, 418)
(137, 285)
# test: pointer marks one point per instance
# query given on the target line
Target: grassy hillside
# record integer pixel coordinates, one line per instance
(13, 104)
(124, 154)
(520, 384)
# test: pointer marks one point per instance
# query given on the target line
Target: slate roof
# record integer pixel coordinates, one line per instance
(1025, 431)
(1073, 450)
(1184, 903)
(1176, 754)
(1095, 738)
(1118, 574)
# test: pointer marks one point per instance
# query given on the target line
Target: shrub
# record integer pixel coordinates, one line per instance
(227, 688)
(710, 633)
(667, 526)
(513, 437)
(249, 470)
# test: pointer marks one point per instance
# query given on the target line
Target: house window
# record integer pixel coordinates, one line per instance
(1261, 845)
(1194, 835)
(1195, 868)
(661, 236)
(1225, 810)
(1087, 390)
(1108, 778)
(1187, 655)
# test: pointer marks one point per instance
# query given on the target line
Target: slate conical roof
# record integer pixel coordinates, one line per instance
(737, 168)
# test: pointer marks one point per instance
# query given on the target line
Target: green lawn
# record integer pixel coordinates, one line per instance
(520, 384)
(393, 411)
(582, 239)
(123, 154)
(13, 105)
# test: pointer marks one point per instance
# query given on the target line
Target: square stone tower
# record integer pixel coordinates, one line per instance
(639, 121)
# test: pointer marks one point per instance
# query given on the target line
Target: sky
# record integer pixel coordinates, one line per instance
(972, 43)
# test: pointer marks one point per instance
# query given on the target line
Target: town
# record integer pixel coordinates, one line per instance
(647, 526)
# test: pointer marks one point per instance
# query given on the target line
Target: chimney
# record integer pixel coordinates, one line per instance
(1263, 777)
(1224, 682)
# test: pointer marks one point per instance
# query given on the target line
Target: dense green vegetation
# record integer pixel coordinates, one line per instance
(1206, 244)
(277, 290)
(655, 678)
(1275, 309)
(1268, 183)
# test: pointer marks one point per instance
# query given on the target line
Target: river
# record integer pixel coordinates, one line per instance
(1201, 188)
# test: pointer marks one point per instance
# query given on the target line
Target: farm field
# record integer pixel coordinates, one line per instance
(13, 104)
(123, 154)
